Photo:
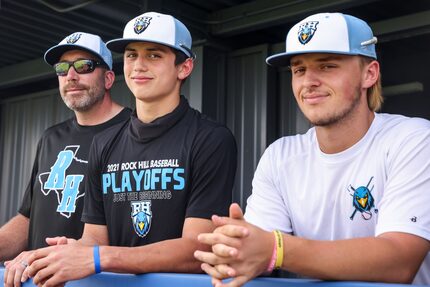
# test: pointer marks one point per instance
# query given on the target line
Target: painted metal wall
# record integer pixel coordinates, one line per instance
(22, 122)
(246, 112)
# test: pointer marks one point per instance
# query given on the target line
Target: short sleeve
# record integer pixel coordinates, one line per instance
(265, 207)
(214, 158)
(25, 208)
(405, 204)
(93, 211)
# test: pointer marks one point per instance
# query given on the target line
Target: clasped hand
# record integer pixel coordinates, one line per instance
(240, 250)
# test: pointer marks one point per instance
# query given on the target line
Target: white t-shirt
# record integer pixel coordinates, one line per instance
(380, 184)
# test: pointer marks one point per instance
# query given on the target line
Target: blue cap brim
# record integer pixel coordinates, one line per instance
(283, 59)
(118, 45)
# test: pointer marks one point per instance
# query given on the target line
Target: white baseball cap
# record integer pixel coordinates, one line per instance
(80, 41)
(335, 33)
(156, 28)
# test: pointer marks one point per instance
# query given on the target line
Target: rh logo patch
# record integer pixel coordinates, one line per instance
(73, 38)
(141, 216)
(65, 185)
(141, 24)
(307, 31)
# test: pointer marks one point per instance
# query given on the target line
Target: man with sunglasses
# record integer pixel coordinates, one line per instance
(154, 182)
(53, 200)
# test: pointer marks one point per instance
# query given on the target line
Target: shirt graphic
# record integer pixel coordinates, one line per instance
(140, 182)
(363, 201)
(66, 186)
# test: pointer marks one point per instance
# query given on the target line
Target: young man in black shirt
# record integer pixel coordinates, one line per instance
(155, 181)
(53, 200)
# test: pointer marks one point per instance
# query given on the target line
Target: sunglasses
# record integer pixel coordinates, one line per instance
(81, 66)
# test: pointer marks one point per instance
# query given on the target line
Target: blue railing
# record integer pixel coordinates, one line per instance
(106, 279)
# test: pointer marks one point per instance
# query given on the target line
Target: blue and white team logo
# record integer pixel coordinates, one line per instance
(363, 201)
(66, 187)
(307, 31)
(141, 215)
(141, 24)
(73, 38)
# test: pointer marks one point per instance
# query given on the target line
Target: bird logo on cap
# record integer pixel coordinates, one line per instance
(73, 38)
(141, 24)
(307, 31)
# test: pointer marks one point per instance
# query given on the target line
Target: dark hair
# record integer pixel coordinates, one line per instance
(180, 56)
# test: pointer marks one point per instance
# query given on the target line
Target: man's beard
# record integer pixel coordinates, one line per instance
(340, 115)
(84, 102)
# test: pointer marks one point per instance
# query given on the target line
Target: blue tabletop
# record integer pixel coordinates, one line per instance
(106, 279)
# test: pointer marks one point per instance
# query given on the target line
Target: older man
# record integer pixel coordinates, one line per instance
(53, 200)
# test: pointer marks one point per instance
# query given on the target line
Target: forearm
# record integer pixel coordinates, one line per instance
(13, 237)
(94, 234)
(90, 241)
(174, 255)
(365, 259)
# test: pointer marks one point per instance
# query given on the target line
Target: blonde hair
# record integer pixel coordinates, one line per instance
(374, 93)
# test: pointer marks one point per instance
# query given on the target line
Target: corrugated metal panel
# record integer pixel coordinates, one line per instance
(246, 113)
(22, 123)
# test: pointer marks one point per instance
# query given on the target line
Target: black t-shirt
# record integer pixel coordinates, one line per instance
(145, 179)
(53, 199)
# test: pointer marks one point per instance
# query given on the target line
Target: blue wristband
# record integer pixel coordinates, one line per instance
(96, 255)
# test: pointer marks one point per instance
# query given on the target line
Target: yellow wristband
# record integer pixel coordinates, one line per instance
(279, 249)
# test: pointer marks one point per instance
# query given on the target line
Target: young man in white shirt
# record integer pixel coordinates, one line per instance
(348, 200)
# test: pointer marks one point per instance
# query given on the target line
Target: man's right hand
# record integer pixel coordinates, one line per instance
(15, 271)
